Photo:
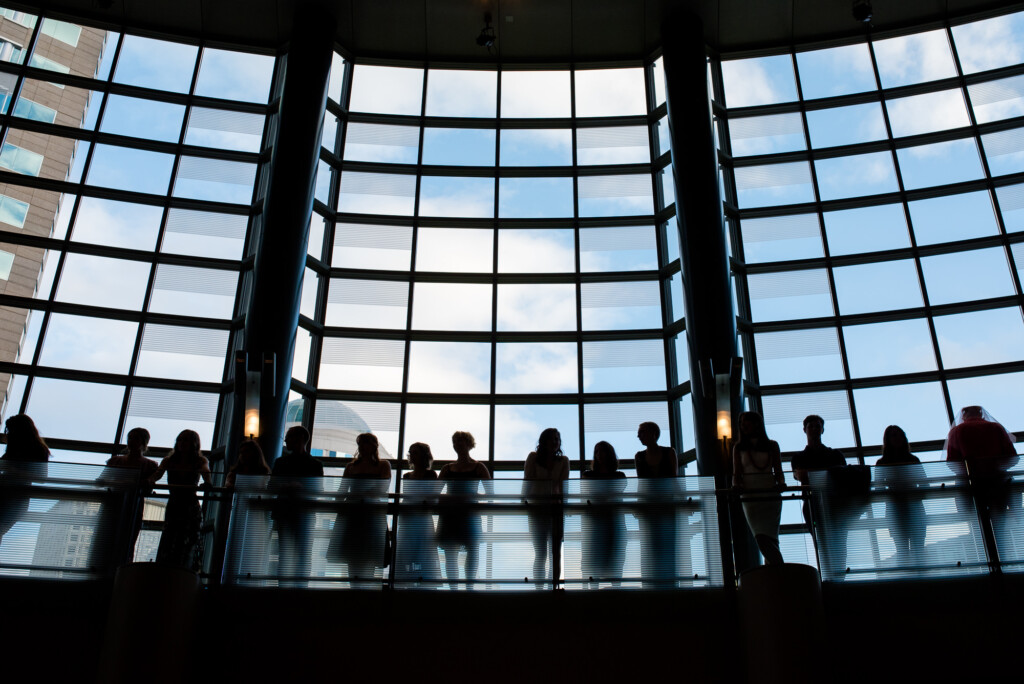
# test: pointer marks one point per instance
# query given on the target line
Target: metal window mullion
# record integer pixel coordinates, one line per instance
(495, 232)
(827, 258)
(580, 405)
(914, 251)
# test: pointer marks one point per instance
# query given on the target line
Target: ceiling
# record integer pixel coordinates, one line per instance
(527, 30)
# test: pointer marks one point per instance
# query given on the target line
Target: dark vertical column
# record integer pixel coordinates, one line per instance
(280, 255)
(710, 319)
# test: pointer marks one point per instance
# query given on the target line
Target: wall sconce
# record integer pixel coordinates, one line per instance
(723, 406)
(253, 386)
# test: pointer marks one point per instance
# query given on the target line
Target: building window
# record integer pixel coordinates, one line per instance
(6, 261)
(22, 18)
(28, 109)
(20, 160)
(11, 52)
(62, 31)
(13, 211)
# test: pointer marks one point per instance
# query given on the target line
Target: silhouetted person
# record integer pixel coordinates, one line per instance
(657, 467)
(545, 470)
(987, 448)
(294, 475)
(250, 461)
(757, 471)
(360, 538)
(416, 546)
(183, 517)
(458, 527)
(102, 553)
(604, 521)
(903, 508)
(817, 456)
(23, 461)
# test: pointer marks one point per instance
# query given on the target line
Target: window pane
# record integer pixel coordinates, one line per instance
(1011, 205)
(618, 145)
(784, 415)
(940, 163)
(835, 71)
(455, 196)
(235, 75)
(159, 64)
(996, 100)
(142, 118)
(914, 59)
(866, 229)
(337, 423)
(857, 175)
(798, 356)
(377, 193)
(88, 344)
(781, 238)
(891, 348)
(766, 134)
(990, 43)
(626, 195)
(774, 184)
(461, 250)
(954, 217)
(540, 250)
(1004, 151)
(980, 337)
(435, 423)
(758, 81)
(361, 364)
(100, 281)
(624, 366)
(460, 367)
(217, 180)
(535, 197)
(877, 287)
(846, 125)
(536, 368)
(367, 303)
(963, 276)
(170, 351)
(536, 307)
(927, 113)
(928, 419)
(535, 94)
(791, 294)
(381, 143)
(517, 428)
(75, 410)
(540, 147)
(165, 413)
(372, 246)
(459, 146)
(617, 424)
(461, 93)
(127, 169)
(621, 305)
(192, 291)
(203, 233)
(610, 92)
(224, 129)
(386, 90)
(626, 248)
(106, 222)
(999, 394)
(451, 306)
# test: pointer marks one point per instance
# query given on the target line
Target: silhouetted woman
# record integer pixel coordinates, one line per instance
(458, 527)
(363, 523)
(134, 456)
(183, 516)
(604, 523)
(250, 462)
(757, 471)
(23, 461)
(546, 468)
(657, 467)
(416, 551)
(905, 510)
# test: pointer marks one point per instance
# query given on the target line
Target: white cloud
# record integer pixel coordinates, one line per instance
(989, 44)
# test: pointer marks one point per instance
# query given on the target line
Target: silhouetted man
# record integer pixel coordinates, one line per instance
(293, 517)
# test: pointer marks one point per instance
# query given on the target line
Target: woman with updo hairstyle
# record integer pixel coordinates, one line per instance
(422, 462)
(250, 461)
(457, 528)
(603, 521)
(416, 555)
(360, 538)
(545, 469)
(24, 460)
(183, 517)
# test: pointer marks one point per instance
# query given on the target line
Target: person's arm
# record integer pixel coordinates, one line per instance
(530, 469)
(564, 475)
(953, 452)
(204, 472)
(482, 471)
(385, 470)
(737, 467)
(670, 454)
(158, 473)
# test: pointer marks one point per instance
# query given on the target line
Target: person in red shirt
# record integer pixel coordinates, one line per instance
(987, 448)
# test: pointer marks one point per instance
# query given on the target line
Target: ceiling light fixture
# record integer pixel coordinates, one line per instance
(862, 10)
(487, 36)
